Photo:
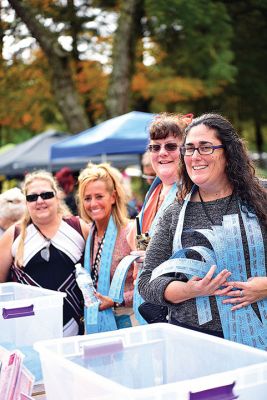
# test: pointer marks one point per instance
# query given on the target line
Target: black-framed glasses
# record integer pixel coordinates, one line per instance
(45, 196)
(204, 149)
(155, 148)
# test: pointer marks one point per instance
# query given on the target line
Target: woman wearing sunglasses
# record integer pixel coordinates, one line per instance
(43, 249)
(207, 258)
(165, 132)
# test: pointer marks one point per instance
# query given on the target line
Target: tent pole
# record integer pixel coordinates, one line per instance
(104, 158)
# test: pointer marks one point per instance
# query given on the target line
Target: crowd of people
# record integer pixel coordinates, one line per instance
(204, 221)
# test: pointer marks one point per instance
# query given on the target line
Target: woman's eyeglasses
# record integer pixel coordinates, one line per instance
(45, 196)
(203, 150)
(155, 148)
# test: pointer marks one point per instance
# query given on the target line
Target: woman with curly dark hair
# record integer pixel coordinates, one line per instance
(207, 258)
(239, 168)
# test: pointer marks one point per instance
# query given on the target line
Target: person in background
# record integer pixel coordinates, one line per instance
(102, 202)
(125, 180)
(67, 183)
(148, 172)
(44, 247)
(166, 133)
(216, 233)
(12, 207)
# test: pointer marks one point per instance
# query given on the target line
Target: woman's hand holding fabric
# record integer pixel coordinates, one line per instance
(244, 293)
(209, 286)
(177, 292)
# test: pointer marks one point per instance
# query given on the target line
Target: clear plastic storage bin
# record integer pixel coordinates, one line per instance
(28, 314)
(158, 361)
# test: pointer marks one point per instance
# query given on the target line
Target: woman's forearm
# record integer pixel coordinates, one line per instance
(6, 258)
(177, 292)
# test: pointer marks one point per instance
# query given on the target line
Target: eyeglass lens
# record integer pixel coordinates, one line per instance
(155, 148)
(207, 149)
(45, 196)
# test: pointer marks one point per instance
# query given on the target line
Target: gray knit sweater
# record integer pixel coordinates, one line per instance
(160, 250)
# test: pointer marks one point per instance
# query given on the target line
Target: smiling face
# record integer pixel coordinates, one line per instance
(206, 171)
(97, 202)
(165, 163)
(42, 211)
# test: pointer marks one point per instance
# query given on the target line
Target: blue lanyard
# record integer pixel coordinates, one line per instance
(103, 321)
(137, 299)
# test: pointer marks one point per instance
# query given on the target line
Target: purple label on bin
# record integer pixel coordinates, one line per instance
(18, 312)
(102, 349)
(218, 393)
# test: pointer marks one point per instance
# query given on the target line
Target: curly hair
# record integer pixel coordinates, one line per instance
(111, 177)
(240, 170)
(166, 124)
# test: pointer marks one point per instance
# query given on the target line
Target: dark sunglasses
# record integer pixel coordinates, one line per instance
(45, 196)
(155, 148)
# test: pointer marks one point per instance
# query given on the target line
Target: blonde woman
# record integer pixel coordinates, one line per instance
(43, 249)
(102, 202)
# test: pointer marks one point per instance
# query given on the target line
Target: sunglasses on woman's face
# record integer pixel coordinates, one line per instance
(155, 148)
(45, 196)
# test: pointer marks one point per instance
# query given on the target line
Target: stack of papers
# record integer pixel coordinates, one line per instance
(16, 381)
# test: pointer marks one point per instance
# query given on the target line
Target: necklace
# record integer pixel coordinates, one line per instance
(96, 263)
(45, 252)
(206, 211)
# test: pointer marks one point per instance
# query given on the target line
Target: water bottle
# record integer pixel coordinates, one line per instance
(85, 283)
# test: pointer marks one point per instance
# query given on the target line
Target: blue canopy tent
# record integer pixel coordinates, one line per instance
(114, 140)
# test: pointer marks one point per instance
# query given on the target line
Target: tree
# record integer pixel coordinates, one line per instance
(192, 56)
(124, 51)
(180, 55)
(28, 99)
(195, 36)
(250, 50)
(60, 66)
(27, 95)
